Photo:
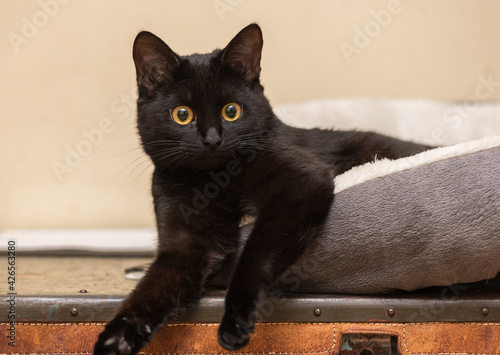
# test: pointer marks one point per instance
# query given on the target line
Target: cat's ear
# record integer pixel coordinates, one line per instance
(154, 61)
(244, 51)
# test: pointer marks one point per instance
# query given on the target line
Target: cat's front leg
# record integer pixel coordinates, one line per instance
(292, 217)
(172, 283)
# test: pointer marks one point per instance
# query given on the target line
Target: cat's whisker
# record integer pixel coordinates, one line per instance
(141, 167)
(125, 152)
(162, 142)
(161, 152)
(147, 161)
(145, 157)
(146, 165)
(236, 157)
(176, 155)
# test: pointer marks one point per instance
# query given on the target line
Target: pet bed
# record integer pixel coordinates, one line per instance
(427, 220)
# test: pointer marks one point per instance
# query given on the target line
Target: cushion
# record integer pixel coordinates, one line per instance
(407, 224)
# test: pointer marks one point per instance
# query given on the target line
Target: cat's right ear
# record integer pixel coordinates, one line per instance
(154, 61)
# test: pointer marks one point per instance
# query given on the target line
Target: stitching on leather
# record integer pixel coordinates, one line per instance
(334, 337)
(444, 353)
(263, 353)
(256, 353)
(453, 323)
(51, 324)
(195, 324)
(260, 324)
(168, 325)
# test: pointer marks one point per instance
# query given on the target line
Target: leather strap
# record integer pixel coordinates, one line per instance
(269, 338)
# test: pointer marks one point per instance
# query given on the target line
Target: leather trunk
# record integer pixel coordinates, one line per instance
(62, 304)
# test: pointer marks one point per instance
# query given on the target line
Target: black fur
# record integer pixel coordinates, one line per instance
(211, 172)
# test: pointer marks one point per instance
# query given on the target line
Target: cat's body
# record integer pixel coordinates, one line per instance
(220, 153)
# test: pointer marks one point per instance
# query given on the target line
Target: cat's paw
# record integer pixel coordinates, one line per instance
(122, 336)
(234, 332)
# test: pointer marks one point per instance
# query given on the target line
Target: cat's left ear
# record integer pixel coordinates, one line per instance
(243, 53)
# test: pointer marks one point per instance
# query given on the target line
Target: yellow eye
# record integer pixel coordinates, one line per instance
(182, 115)
(231, 112)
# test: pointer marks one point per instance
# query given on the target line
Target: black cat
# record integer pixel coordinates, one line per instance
(220, 153)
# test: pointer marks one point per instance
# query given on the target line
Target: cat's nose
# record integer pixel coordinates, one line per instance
(212, 139)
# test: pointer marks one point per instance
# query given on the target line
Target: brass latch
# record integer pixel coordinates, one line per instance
(369, 344)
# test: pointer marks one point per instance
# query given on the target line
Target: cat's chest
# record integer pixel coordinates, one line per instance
(237, 186)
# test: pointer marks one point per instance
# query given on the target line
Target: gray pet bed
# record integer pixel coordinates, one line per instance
(427, 220)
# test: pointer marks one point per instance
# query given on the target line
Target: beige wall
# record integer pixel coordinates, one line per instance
(68, 81)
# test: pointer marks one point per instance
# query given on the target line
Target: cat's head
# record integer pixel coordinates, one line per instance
(199, 110)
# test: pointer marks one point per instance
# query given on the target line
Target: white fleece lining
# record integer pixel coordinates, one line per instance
(383, 167)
